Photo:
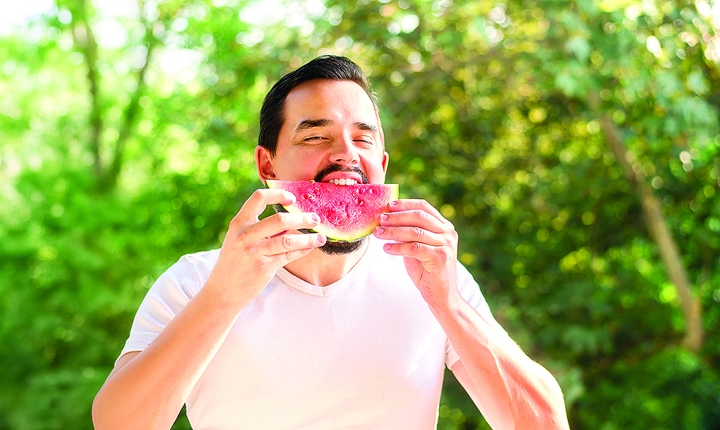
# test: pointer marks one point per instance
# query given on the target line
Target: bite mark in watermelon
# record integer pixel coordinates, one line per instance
(347, 212)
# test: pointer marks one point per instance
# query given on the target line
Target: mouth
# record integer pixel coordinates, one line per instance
(340, 175)
(343, 181)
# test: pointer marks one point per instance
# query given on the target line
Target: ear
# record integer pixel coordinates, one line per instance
(264, 164)
(385, 161)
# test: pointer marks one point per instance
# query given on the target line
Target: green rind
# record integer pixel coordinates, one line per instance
(334, 234)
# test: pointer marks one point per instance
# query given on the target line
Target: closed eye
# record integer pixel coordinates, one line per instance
(363, 141)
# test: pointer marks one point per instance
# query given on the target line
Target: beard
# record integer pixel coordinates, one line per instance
(341, 248)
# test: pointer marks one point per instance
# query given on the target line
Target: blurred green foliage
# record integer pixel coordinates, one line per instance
(126, 138)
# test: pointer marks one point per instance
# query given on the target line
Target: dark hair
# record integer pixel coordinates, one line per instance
(333, 67)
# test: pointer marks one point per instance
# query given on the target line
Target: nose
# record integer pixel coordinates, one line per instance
(344, 152)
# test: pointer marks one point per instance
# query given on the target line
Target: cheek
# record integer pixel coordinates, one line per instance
(373, 167)
(302, 165)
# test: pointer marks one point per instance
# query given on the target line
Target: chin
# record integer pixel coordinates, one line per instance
(342, 248)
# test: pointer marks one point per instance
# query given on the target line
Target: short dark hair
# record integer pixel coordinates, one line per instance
(272, 115)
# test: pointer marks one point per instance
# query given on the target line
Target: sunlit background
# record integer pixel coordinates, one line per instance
(575, 145)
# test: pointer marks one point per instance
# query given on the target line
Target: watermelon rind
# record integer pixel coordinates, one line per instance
(347, 212)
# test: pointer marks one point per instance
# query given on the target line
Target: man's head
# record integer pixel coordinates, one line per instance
(321, 123)
(272, 114)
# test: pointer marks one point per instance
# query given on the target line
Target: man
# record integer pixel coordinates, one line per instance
(283, 330)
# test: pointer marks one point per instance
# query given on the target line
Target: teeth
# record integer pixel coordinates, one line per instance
(343, 181)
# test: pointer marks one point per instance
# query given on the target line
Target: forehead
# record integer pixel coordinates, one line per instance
(324, 96)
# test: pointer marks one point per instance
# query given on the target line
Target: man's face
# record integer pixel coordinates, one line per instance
(331, 133)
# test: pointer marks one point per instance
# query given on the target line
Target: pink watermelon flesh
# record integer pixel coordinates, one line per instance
(347, 212)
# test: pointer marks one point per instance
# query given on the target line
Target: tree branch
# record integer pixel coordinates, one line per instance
(84, 39)
(658, 228)
(131, 111)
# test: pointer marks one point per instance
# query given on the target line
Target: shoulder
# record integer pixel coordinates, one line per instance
(470, 290)
(202, 258)
(468, 286)
(196, 262)
(188, 274)
(465, 278)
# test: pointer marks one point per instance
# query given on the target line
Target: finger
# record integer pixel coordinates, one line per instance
(410, 234)
(279, 223)
(287, 243)
(415, 204)
(255, 205)
(290, 256)
(415, 217)
(420, 251)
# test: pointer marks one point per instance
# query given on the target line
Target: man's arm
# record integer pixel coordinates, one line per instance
(147, 389)
(511, 390)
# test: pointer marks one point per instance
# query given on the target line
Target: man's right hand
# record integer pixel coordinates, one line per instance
(254, 250)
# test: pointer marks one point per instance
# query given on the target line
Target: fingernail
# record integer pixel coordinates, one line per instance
(384, 217)
(321, 239)
(380, 230)
(315, 217)
(393, 203)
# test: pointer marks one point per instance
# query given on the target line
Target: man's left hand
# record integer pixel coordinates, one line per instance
(428, 243)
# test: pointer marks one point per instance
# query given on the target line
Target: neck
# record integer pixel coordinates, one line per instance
(319, 268)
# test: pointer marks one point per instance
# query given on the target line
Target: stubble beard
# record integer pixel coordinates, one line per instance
(342, 248)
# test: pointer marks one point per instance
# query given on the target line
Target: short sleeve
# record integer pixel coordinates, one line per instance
(165, 299)
(470, 291)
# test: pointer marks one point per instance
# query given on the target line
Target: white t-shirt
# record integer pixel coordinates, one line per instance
(362, 353)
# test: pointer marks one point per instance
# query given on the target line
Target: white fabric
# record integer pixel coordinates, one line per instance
(364, 352)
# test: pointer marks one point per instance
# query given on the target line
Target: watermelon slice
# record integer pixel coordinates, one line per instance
(347, 212)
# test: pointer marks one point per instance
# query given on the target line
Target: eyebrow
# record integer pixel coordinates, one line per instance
(313, 123)
(365, 126)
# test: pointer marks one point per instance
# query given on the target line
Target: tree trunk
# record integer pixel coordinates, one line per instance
(660, 233)
(107, 171)
(84, 39)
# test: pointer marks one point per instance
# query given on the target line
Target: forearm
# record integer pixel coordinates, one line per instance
(512, 391)
(149, 391)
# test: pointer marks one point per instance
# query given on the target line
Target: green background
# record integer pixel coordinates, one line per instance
(560, 137)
